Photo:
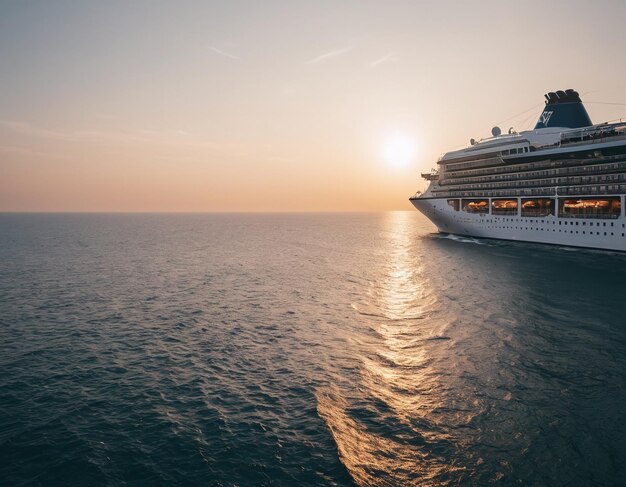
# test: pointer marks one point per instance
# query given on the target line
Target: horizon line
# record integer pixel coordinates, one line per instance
(201, 212)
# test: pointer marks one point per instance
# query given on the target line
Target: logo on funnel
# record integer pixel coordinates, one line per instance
(545, 117)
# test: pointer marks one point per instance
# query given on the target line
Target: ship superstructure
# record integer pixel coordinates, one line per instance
(561, 183)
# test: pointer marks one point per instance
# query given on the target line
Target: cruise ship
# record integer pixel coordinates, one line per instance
(561, 183)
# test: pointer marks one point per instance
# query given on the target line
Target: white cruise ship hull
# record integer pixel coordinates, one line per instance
(608, 234)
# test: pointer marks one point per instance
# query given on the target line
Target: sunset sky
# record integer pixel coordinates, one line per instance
(277, 106)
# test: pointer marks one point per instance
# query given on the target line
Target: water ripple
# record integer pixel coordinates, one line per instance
(304, 350)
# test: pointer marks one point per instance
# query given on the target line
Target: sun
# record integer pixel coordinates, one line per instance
(399, 150)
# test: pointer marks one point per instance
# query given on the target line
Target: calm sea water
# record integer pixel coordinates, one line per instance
(304, 350)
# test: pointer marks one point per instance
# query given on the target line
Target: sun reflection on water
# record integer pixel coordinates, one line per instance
(390, 429)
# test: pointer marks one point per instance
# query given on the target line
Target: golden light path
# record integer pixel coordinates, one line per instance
(399, 384)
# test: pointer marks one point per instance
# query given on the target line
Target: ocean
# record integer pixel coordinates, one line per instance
(304, 349)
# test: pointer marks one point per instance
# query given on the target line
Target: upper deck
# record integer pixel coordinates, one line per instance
(534, 145)
(564, 154)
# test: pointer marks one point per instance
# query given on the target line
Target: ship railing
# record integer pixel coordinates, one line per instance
(597, 133)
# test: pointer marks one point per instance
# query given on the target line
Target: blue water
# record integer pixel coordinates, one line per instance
(315, 349)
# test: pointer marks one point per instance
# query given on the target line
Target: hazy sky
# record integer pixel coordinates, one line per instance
(277, 106)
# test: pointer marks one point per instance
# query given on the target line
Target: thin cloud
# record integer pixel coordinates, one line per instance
(141, 136)
(381, 60)
(28, 129)
(223, 53)
(14, 149)
(328, 55)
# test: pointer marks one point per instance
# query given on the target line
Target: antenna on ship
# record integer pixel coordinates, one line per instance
(496, 131)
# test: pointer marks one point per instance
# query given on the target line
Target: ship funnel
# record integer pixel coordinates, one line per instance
(563, 109)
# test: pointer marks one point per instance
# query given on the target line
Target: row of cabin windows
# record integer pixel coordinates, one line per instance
(608, 207)
(506, 172)
(487, 161)
(518, 150)
(554, 229)
(580, 190)
(564, 181)
(596, 168)
(534, 223)
(461, 167)
(451, 173)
